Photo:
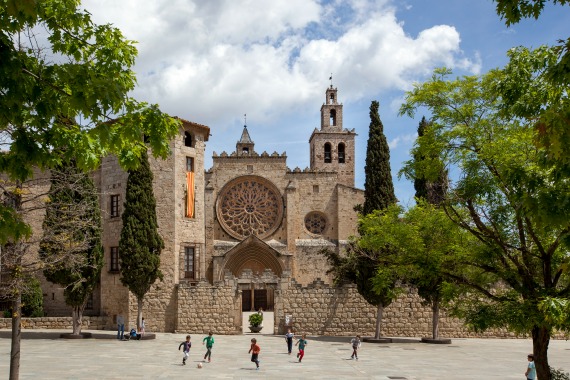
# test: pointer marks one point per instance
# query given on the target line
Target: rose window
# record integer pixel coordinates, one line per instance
(315, 223)
(249, 205)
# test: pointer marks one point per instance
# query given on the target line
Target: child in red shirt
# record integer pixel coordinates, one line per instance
(254, 349)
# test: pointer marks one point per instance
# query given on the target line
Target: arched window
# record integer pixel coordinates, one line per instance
(332, 98)
(333, 118)
(341, 153)
(187, 139)
(328, 158)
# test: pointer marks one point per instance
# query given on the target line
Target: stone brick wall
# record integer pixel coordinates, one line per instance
(90, 323)
(203, 307)
(320, 309)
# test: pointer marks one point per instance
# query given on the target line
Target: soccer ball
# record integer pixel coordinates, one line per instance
(199, 365)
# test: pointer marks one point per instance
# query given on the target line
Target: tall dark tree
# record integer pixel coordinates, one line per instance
(368, 269)
(71, 245)
(378, 186)
(140, 244)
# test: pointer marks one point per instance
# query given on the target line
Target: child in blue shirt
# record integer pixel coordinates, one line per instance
(530, 369)
(186, 344)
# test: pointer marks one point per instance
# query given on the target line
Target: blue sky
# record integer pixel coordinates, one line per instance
(213, 61)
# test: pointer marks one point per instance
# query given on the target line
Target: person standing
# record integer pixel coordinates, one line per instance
(355, 346)
(301, 343)
(120, 327)
(142, 327)
(209, 340)
(289, 339)
(530, 369)
(254, 350)
(186, 350)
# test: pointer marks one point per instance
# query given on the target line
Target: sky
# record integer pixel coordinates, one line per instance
(213, 61)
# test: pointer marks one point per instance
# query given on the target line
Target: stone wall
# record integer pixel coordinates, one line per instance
(320, 309)
(203, 307)
(62, 323)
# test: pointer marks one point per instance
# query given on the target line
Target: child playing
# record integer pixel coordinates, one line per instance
(186, 349)
(355, 346)
(142, 327)
(289, 339)
(530, 369)
(302, 343)
(209, 344)
(254, 349)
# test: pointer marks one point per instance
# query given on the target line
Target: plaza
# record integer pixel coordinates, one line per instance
(45, 356)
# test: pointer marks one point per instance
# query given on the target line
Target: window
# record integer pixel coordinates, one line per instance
(341, 153)
(328, 153)
(316, 189)
(333, 118)
(187, 139)
(189, 262)
(189, 164)
(114, 259)
(245, 150)
(114, 206)
(250, 168)
(332, 97)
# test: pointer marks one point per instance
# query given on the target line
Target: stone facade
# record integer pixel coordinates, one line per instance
(245, 233)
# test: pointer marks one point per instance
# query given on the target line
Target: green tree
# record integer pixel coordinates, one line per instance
(368, 269)
(378, 185)
(140, 244)
(71, 246)
(426, 246)
(70, 89)
(509, 195)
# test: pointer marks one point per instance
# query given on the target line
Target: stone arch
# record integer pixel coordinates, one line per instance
(253, 254)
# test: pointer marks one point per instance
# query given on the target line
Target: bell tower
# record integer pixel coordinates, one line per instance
(332, 146)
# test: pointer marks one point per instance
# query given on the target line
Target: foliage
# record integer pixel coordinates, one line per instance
(140, 244)
(255, 319)
(71, 246)
(512, 11)
(70, 89)
(559, 374)
(32, 299)
(508, 195)
(378, 186)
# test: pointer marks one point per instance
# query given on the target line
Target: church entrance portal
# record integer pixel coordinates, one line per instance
(253, 299)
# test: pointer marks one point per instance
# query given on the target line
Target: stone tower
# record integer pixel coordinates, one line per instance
(332, 146)
(244, 146)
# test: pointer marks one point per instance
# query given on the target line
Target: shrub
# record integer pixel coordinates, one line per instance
(559, 374)
(32, 299)
(255, 320)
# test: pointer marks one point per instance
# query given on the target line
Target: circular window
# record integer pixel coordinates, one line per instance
(249, 205)
(315, 222)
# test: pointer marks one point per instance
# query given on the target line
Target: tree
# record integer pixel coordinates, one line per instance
(361, 266)
(509, 195)
(431, 191)
(426, 246)
(70, 89)
(140, 244)
(378, 185)
(71, 247)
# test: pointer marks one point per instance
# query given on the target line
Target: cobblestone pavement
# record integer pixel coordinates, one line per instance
(46, 356)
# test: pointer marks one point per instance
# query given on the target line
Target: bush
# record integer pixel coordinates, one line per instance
(32, 299)
(255, 320)
(559, 374)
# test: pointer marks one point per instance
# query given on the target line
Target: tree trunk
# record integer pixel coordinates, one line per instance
(139, 313)
(77, 316)
(16, 337)
(435, 319)
(379, 315)
(540, 341)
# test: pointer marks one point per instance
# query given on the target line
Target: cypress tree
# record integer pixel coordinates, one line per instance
(378, 186)
(431, 191)
(140, 244)
(71, 244)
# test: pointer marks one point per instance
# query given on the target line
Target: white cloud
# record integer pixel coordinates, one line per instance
(406, 140)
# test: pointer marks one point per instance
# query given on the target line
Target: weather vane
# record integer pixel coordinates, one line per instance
(331, 80)
(244, 119)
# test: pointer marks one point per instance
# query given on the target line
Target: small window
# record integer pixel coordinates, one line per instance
(114, 259)
(189, 164)
(341, 153)
(114, 206)
(328, 158)
(316, 189)
(189, 262)
(332, 97)
(333, 118)
(245, 150)
(187, 139)
(250, 168)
